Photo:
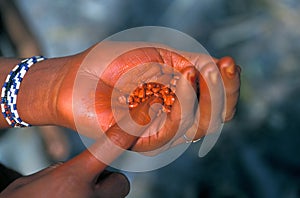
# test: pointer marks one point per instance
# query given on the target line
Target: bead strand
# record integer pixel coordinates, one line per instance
(10, 91)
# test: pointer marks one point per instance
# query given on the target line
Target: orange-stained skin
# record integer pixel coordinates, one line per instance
(123, 64)
(140, 56)
(230, 73)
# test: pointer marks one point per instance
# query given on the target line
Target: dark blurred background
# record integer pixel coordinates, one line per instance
(257, 154)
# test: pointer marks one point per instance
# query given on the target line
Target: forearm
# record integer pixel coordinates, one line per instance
(37, 97)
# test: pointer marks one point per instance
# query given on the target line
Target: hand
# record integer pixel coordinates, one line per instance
(105, 74)
(85, 105)
(101, 69)
(62, 180)
(84, 175)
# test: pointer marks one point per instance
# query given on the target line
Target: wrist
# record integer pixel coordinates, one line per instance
(64, 94)
(37, 98)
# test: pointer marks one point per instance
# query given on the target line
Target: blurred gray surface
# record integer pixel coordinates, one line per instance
(257, 154)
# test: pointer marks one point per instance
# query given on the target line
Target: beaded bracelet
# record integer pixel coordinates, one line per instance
(10, 91)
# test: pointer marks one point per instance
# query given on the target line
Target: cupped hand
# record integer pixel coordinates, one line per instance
(107, 73)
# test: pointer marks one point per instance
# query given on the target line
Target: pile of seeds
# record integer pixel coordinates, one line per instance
(147, 90)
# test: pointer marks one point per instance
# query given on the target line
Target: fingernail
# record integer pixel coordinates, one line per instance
(192, 76)
(213, 76)
(230, 70)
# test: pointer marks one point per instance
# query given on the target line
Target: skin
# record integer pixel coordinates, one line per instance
(141, 54)
(50, 84)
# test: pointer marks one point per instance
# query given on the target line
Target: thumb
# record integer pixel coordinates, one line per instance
(41, 173)
(108, 147)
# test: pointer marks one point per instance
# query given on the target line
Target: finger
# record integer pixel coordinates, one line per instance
(230, 73)
(204, 118)
(199, 60)
(186, 92)
(202, 62)
(112, 185)
(107, 148)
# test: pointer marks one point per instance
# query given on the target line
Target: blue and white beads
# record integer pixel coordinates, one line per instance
(10, 91)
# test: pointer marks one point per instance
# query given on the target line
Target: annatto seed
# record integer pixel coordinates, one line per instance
(147, 90)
